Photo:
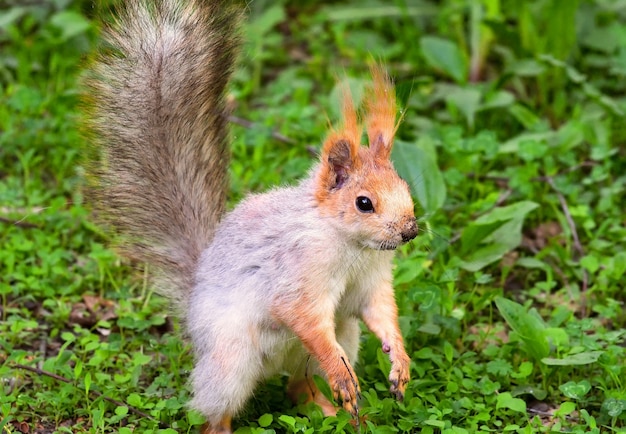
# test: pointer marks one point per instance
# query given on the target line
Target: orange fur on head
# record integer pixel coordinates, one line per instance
(381, 113)
(340, 152)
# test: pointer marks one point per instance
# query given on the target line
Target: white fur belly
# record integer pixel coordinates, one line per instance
(281, 350)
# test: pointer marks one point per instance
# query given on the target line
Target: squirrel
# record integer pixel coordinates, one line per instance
(280, 283)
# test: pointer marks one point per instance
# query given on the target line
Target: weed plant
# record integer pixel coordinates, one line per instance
(511, 299)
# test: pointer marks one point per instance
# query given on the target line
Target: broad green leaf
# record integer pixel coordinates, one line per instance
(531, 262)
(557, 337)
(417, 164)
(424, 354)
(141, 359)
(604, 39)
(474, 234)
(505, 400)
(287, 420)
(195, 418)
(515, 211)
(492, 235)
(575, 390)
(538, 393)
(584, 358)
(134, 400)
(617, 265)
(406, 272)
(590, 262)
(266, 420)
(499, 367)
(455, 430)
(467, 101)
(427, 297)
(565, 408)
(429, 329)
(323, 387)
(512, 145)
(68, 337)
(527, 68)
(484, 256)
(614, 407)
(528, 326)
(525, 369)
(498, 99)
(436, 423)
(488, 387)
(121, 410)
(446, 56)
(530, 150)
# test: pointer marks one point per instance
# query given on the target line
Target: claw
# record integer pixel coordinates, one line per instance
(397, 392)
(346, 390)
(399, 376)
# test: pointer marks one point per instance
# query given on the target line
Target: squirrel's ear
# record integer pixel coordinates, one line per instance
(341, 161)
(381, 113)
(341, 148)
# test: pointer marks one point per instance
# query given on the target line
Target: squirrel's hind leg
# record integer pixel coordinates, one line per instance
(307, 388)
(223, 379)
(224, 427)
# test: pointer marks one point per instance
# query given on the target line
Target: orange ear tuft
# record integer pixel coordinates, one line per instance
(381, 113)
(350, 128)
(340, 151)
(348, 135)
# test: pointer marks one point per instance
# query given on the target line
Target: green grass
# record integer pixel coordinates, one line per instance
(511, 299)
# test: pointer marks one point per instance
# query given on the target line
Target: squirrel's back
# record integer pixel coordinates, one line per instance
(157, 112)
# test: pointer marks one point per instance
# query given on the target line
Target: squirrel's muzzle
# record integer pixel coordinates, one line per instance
(410, 230)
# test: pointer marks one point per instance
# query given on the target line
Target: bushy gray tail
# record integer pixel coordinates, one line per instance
(156, 114)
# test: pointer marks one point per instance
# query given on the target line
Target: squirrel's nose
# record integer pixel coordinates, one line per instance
(410, 230)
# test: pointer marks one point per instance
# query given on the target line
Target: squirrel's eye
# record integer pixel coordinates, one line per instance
(364, 204)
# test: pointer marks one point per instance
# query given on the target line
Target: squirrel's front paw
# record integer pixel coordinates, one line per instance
(346, 389)
(399, 375)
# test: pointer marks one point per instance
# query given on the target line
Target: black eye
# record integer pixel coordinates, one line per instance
(364, 204)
